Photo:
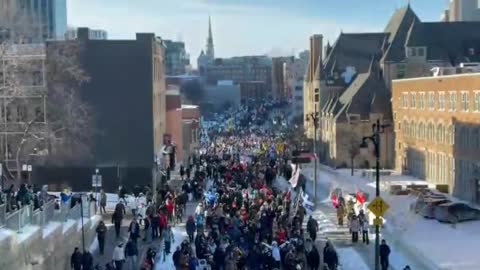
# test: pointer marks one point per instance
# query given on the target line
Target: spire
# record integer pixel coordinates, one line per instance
(210, 52)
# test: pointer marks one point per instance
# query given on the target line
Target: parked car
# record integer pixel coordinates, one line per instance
(422, 201)
(429, 207)
(455, 212)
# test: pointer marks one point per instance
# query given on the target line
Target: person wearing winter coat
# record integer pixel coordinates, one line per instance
(87, 261)
(276, 254)
(364, 225)
(313, 257)
(155, 224)
(76, 259)
(330, 256)
(219, 259)
(134, 230)
(117, 217)
(176, 257)
(340, 213)
(354, 228)
(131, 254)
(312, 227)
(384, 254)
(168, 239)
(101, 233)
(191, 227)
(118, 257)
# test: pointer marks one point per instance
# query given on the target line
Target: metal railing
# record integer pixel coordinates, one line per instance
(20, 218)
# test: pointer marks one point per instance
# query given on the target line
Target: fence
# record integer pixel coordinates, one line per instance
(17, 220)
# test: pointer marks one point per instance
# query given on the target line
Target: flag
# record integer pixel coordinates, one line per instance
(334, 200)
(360, 197)
(306, 203)
(295, 176)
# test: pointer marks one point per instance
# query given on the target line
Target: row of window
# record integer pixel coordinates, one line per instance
(21, 114)
(438, 101)
(435, 167)
(428, 131)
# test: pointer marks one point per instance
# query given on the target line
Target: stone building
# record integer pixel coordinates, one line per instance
(437, 127)
(406, 48)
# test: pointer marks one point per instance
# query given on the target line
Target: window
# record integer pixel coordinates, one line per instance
(421, 51)
(413, 101)
(299, 98)
(412, 51)
(422, 101)
(405, 100)
(298, 88)
(401, 71)
(431, 100)
(441, 101)
(453, 101)
(465, 101)
(477, 102)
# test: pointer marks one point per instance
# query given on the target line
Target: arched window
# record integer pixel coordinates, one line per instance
(421, 131)
(439, 133)
(405, 128)
(430, 132)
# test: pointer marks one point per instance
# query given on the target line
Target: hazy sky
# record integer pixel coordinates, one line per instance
(242, 27)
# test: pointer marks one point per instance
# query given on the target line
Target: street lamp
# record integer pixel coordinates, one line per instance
(314, 117)
(97, 171)
(375, 139)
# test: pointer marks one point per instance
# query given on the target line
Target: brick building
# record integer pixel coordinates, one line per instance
(437, 127)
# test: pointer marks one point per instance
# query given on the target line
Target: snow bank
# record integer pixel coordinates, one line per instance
(431, 244)
(350, 259)
(50, 228)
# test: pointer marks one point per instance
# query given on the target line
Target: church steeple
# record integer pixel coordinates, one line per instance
(210, 48)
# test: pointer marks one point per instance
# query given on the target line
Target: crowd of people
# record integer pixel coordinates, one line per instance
(242, 221)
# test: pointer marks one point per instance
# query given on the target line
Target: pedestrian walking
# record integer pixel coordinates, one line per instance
(103, 202)
(364, 224)
(134, 230)
(155, 224)
(134, 207)
(76, 259)
(191, 226)
(182, 171)
(146, 226)
(117, 217)
(330, 256)
(118, 256)
(312, 227)
(384, 254)
(354, 228)
(168, 239)
(101, 234)
(313, 257)
(87, 261)
(131, 254)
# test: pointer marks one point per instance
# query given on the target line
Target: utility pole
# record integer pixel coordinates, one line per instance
(314, 117)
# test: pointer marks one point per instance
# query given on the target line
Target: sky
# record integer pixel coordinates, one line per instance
(243, 27)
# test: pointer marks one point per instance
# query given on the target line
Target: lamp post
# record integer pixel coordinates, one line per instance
(375, 139)
(155, 179)
(81, 219)
(314, 117)
(28, 169)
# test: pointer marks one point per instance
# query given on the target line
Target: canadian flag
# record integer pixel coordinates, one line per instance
(334, 200)
(360, 197)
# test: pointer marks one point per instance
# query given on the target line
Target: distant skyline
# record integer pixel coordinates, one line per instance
(243, 27)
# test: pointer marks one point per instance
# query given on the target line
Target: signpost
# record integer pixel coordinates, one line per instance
(378, 207)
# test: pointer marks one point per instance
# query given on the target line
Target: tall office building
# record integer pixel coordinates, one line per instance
(462, 11)
(34, 20)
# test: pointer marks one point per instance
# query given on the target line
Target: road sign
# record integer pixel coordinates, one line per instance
(378, 221)
(96, 180)
(378, 207)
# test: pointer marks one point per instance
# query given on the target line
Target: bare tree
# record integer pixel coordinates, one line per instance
(42, 111)
(353, 148)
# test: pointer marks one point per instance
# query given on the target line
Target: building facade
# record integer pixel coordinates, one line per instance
(93, 34)
(176, 58)
(126, 92)
(462, 11)
(35, 20)
(23, 105)
(437, 127)
(207, 57)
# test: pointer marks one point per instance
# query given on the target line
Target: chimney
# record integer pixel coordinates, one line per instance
(316, 54)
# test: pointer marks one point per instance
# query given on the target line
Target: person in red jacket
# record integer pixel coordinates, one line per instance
(282, 236)
(170, 207)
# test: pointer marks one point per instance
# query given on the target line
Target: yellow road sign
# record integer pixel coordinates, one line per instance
(378, 207)
(378, 221)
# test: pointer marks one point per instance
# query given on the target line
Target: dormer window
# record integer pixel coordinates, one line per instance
(416, 52)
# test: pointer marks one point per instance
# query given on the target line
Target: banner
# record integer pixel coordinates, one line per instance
(295, 176)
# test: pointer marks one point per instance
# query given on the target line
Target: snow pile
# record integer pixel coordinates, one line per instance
(350, 259)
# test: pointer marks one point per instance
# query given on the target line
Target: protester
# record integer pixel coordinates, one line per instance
(134, 230)
(131, 254)
(168, 239)
(118, 256)
(191, 226)
(355, 228)
(117, 217)
(87, 261)
(101, 234)
(76, 260)
(312, 227)
(330, 256)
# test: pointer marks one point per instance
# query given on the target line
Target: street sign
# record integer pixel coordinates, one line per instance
(378, 207)
(378, 221)
(96, 180)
